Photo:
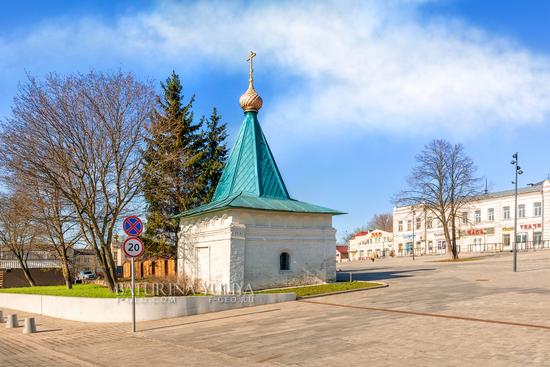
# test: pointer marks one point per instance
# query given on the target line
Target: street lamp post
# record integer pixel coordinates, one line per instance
(413, 225)
(518, 172)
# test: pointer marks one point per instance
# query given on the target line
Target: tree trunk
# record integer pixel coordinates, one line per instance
(454, 247)
(65, 268)
(25, 269)
(448, 240)
(27, 273)
(107, 264)
(100, 254)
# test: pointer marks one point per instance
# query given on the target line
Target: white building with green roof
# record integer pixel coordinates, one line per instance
(252, 232)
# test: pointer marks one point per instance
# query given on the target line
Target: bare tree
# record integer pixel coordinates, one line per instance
(82, 135)
(59, 226)
(18, 230)
(383, 221)
(442, 183)
(349, 235)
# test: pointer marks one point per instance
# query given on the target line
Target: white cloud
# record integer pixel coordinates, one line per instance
(373, 66)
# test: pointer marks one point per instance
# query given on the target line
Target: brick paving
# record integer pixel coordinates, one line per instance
(441, 321)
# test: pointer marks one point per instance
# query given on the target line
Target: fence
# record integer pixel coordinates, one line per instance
(32, 264)
(35, 260)
(501, 247)
(151, 268)
(479, 248)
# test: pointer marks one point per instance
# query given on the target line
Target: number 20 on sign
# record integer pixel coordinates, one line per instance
(133, 247)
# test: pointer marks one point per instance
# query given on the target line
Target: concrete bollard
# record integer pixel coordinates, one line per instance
(1, 317)
(30, 326)
(11, 321)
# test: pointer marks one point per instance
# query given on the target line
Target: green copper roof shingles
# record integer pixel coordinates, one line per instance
(259, 203)
(251, 168)
(251, 178)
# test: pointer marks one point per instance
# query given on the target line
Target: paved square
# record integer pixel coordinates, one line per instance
(458, 314)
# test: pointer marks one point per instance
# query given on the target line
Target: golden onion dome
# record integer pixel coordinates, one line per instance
(251, 100)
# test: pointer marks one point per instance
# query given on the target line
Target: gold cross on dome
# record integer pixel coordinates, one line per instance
(250, 57)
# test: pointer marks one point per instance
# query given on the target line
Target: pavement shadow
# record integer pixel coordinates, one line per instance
(47, 331)
(379, 275)
(169, 326)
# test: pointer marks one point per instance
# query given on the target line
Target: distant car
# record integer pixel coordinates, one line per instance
(87, 275)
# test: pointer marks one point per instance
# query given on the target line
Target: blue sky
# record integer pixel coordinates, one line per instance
(351, 90)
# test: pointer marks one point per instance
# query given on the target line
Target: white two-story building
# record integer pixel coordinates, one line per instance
(487, 224)
(373, 243)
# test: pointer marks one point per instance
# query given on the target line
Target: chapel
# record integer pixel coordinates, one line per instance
(253, 234)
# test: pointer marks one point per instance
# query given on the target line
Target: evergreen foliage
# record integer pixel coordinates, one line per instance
(183, 160)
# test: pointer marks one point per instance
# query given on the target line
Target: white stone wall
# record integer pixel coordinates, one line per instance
(212, 232)
(110, 310)
(245, 246)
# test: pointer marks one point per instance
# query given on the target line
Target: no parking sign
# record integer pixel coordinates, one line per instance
(132, 226)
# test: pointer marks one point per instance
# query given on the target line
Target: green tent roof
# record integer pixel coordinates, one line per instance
(251, 178)
(251, 168)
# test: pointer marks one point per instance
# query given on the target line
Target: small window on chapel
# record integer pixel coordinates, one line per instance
(284, 261)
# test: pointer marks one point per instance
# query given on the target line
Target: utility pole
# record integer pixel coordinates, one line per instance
(413, 225)
(518, 172)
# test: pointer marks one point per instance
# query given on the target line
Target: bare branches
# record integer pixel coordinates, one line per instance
(383, 221)
(81, 136)
(443, 182)
(18, 230)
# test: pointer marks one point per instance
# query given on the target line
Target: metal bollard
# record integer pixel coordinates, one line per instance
(1, 317)
(30, 326)
(11, 321)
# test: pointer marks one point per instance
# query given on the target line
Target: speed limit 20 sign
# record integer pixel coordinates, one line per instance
(133, 247)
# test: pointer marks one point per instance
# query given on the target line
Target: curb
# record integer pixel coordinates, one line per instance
(381, 285)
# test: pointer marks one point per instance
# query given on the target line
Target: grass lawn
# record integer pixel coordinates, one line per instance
(79, 290)
(315, 290)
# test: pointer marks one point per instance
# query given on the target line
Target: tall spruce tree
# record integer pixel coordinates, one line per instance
(215, 155)
(173, 162)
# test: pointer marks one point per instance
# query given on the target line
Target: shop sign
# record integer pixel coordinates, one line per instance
(530, 226)
(478, 231)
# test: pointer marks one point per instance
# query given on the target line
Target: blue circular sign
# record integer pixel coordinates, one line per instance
(132, 226)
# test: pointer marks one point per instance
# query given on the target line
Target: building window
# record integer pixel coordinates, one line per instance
(409, 225)
(284, 261)
(537, 209)
(478, 216)
(506, 212)
(400, 226)
(429, 223)
(464, 217)
(537, 238)
(506, 239)
(521, 211)
(491, 214)
(418, 223)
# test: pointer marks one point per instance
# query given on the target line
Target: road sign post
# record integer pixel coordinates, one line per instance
(132, 248)
(133, 297)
